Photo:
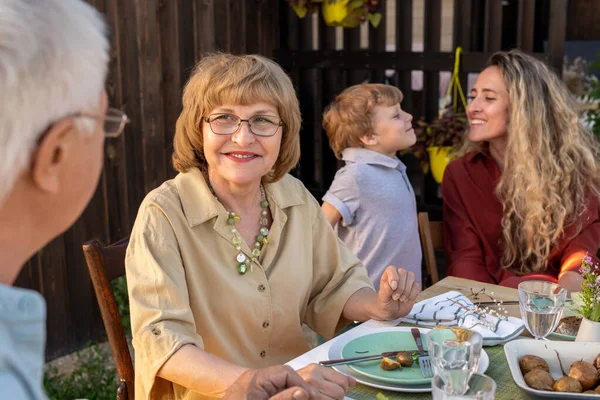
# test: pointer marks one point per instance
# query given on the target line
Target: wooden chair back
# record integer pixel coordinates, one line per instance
(105, 264)
(432, 238)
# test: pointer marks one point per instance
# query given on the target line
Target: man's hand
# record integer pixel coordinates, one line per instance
(327, 384)
(279, 382)
(398, 292)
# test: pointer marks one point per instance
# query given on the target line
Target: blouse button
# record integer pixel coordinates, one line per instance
(266, 324)
(156, 331)
(261, 288)
(263, 354)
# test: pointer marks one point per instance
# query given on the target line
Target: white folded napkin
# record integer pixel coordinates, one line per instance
(443, 309)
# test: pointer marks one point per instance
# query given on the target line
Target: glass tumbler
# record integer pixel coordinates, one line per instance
(453, 361)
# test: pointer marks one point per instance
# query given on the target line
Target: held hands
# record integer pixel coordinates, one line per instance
(397, 293)
(279, 382)
(326, 383)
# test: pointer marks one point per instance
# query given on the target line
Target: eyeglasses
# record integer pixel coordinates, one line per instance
(227, 124)
(114, 121)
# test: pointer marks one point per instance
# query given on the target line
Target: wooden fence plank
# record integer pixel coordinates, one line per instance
(171, 77)
(332, 85)
(187, 47)
(525, 25)
(432, 42)
(352, 43)
(404, 33)
(222, 26)
(463, 31)
(54, 278)
(556, 33)
(377, 41)
(237, 26)
(204, 27)
(493, 25)
(115, 166)
(131, 104)
(307, 93)
(150, 75)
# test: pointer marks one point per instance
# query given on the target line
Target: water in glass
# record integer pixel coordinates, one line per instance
(541, 305)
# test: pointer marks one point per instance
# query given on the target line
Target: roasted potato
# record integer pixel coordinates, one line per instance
(567, 384)
(597, 362)
(585, 373)
(539, 379)
(388, 364)
(529, 363)
(404, 358)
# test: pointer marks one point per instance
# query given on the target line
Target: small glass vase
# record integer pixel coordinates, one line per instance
(589, 331)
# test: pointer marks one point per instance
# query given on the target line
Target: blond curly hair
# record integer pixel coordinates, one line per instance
(223, 78)
(550, 163)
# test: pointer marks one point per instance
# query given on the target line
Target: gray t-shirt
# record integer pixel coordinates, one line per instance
(379, 212)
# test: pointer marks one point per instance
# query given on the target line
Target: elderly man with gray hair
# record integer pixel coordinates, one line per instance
(53, 122)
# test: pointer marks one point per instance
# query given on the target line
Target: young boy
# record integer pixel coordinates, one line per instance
(371, 194)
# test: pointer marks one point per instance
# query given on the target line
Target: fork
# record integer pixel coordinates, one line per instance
(424, 360)
(330, 363)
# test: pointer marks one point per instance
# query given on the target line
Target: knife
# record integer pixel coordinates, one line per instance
(341, 361)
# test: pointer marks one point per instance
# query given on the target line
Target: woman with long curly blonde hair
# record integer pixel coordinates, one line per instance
(521, 201)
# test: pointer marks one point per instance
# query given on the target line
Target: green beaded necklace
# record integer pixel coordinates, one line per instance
(243, 262)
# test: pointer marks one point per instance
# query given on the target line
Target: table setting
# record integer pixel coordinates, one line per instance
(473, 336)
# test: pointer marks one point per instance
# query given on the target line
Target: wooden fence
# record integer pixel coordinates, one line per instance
(155, 43)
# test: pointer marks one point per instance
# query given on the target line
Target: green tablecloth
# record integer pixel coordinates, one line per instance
(498, 371)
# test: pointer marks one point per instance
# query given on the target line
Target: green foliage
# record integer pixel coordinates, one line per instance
(95, 379)
(119, 287)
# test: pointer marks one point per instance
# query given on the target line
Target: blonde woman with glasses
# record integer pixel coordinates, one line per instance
(521, 202)
(227, 260)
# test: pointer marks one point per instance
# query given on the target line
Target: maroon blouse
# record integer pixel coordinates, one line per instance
(472, 230)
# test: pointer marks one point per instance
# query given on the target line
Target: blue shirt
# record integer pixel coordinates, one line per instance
(379, 212)
(22, 342)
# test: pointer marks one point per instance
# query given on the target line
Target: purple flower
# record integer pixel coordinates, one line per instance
(584, 269)
(587, 259)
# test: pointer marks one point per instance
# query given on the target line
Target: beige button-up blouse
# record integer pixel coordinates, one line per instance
(184, 287)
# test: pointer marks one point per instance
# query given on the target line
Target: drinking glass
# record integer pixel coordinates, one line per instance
(481, 387)
(454, 362)
(541, 304)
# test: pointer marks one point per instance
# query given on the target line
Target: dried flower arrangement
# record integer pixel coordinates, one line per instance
(488, 315)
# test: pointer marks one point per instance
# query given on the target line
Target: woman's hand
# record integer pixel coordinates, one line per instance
(328, 383)
(397, 293)
(279, 382)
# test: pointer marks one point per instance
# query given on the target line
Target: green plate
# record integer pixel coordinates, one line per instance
(377, 343)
